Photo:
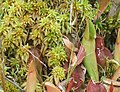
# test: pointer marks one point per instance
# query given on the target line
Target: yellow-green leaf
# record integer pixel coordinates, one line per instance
(90, 32)
(88, 42)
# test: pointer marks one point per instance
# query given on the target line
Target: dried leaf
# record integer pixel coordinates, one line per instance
(88, 42)
(74, 59)
(31, 78)
(117, 48)
(51, 87)
(95, 87)
(36, 57)
(103, 5)
(62, 86)
(117, 74)
(69, 44)
(114, 82)
(68, 52)
(114, 87)
(80, 54)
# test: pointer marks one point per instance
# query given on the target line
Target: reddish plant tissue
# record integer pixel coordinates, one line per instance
(102, 52)
(81, 54)
(70, 85)
(95, 87)
(111, 87)
(51, 87)
(77, 79)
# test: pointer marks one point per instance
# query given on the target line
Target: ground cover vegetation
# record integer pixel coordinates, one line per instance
(59, 46)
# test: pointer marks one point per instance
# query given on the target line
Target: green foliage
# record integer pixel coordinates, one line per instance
(26, 24)
(88, 42)
(31, 23)
(85, 9)
(58, 74)
(56, 56)
(10, 87)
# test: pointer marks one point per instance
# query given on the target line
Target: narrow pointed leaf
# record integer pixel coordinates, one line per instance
(88, 42)
(74, 59)
(81, 54)
(70, 85)
(31, 78)
(117, 48)
(111, 87)
(90, 32)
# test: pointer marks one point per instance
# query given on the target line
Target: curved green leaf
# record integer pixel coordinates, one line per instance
(88, 42)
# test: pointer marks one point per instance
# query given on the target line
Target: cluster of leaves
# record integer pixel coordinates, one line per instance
(27, 24)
